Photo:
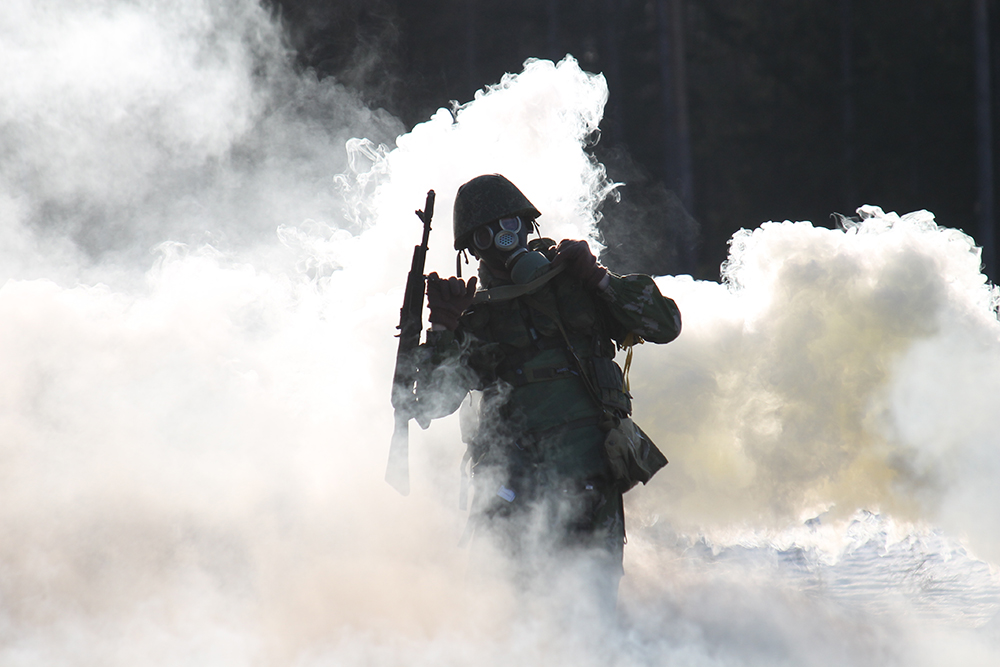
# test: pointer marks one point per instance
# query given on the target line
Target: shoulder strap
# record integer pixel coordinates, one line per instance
(508, 292)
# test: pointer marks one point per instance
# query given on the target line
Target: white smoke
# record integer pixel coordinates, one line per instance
(192, 442)
(841, 369)
(126, 124)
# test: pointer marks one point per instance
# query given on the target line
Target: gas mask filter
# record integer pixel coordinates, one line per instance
(505, 241)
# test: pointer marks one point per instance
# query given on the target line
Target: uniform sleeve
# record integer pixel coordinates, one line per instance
(636, 305)
(442, 381)
(448, 367)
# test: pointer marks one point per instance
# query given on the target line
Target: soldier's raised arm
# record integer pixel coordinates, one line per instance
(443, 375)
(633, 301)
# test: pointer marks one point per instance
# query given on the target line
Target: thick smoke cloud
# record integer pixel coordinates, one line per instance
(192, 442)
(841, 369)
(126, 124)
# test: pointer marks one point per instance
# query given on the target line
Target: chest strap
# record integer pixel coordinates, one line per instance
(508, 292)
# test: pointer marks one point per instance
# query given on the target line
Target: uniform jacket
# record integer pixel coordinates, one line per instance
(534, 404)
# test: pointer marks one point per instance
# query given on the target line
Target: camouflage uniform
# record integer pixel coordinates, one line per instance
(540, 435)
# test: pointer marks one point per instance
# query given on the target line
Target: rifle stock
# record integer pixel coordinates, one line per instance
(397, 471)
(404, 400)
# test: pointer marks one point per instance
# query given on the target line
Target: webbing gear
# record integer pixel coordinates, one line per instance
(609, 420)
(521, 376)
(632, 456)
(630, 340)
(508, 292)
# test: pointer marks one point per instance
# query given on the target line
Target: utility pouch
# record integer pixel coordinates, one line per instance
(632, 456)
(607, 373)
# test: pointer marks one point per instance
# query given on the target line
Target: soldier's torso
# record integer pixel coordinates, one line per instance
(526, 366)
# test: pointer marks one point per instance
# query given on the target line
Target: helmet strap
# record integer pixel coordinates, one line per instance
(458, 261)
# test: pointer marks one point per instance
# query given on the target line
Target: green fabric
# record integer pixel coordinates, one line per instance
(496, 340)
(575, 454)
(637, 306)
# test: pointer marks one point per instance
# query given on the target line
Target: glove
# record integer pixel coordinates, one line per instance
(448, 299)
(580, 262)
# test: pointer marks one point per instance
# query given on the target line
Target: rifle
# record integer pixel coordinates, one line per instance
(404, 401)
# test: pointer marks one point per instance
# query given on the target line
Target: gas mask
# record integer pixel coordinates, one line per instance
(504, 242)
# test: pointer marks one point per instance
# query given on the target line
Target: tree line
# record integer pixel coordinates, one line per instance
(721, 115)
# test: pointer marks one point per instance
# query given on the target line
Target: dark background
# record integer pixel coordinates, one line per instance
(722, 114)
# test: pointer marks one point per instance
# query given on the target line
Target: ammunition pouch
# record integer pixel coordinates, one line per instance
(610, 385)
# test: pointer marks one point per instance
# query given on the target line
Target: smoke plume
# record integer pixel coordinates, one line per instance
(203, 260)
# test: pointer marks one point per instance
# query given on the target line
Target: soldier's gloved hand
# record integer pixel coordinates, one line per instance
(580, 261)
(448, 299)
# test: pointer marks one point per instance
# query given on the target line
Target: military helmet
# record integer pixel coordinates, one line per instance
(484, 199)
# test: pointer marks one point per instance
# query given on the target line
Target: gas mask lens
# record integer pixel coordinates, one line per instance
(506, 238)
(483, 237)
(510, 224)
(500, 244)
(503, 234)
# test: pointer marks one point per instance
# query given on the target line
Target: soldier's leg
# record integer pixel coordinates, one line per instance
(607, 540)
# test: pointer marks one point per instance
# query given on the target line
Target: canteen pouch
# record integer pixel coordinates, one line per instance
(632, 455)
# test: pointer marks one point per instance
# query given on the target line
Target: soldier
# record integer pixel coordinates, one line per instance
(554, 449)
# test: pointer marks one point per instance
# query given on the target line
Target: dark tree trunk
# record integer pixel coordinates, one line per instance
(850, 191)
(676, 133)
(667, 94)
(686, 189)
(552, 9)
(612, 70)
(471, 46)
(984, 135)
